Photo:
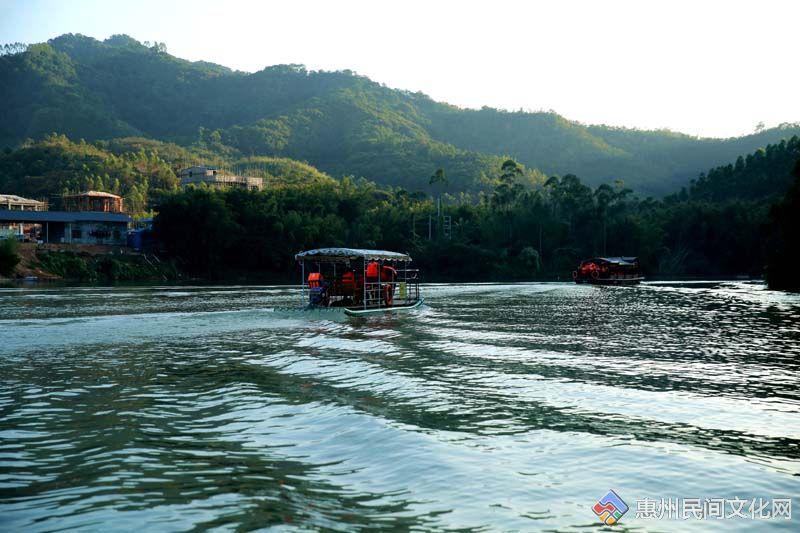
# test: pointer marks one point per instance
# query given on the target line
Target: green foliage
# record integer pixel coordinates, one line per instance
(53, 165)
(9, 256)
(784, 253)
(104, 268)
(766, 173)
(68, 265)
(518, 231)
(341, 123)
(438, 177)
(281, 172)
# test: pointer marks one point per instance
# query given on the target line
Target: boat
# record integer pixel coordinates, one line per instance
(609, 271)
(358, 281)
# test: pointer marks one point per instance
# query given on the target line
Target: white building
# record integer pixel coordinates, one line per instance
(214, 177)
(12, 202)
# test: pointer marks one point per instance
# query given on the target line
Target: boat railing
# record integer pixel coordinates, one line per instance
(403, 292)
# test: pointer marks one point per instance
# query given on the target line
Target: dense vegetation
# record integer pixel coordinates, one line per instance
(512, 231)
(341, 123)
(764, 174)
(55, 165)
(784, 253)
(9, 256)
(136, 168)
(516, 228)
(108, 268)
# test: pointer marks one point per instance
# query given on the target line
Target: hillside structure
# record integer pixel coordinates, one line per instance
(12, 202)
(218, 179)
(94, 201)
(88, 218)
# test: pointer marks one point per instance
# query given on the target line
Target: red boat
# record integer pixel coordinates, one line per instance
(609, 271)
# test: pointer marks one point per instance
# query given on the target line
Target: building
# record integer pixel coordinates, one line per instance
(12, 202)
(216, 178)
(98, 202)
(88, 218)
(18, 203)
(72, 227)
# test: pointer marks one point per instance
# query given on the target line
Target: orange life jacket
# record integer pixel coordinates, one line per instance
(372, 269)
(348, 280)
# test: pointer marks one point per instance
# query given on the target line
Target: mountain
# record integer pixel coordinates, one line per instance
(340, 122)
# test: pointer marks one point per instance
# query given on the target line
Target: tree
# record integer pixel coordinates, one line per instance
(9, 255)
(438, 177)
(784, 256)
(506, 192)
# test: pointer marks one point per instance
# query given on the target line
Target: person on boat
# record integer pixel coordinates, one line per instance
(372, 271)
(318, 290)
(388, 278)
(350, 286)
(371, 278)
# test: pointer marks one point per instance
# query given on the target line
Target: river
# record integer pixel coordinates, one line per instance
(511, 407)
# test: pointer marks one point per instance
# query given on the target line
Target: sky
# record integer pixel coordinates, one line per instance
(704, 67)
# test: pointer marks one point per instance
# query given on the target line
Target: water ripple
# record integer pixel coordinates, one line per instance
(509, 407)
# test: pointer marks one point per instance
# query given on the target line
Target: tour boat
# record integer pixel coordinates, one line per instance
(359, 282)
(609, 271)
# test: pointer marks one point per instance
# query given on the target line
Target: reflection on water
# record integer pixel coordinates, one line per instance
(495, 407)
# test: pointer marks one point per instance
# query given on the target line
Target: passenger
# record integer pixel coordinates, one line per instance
(388, 278)
(318, 290)
(314, 279)
(388, 274)
(372, 271)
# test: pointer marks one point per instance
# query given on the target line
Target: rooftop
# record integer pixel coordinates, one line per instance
(347, 254)
(93, 194)
(13, 198)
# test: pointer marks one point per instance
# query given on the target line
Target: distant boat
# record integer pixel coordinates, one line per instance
(609, 271)
(357, 281)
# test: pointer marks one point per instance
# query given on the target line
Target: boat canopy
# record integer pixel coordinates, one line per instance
(622, 261)
(342, 255)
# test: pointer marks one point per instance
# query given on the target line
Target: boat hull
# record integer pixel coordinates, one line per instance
(610, 281)
(355, 311)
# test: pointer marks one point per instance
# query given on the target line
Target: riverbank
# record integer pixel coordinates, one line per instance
(89, 264)
(95, 264)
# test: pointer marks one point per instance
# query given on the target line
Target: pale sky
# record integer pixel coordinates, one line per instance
(709, 68)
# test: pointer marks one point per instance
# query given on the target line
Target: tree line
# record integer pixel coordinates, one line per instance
(510, 231)
(726, 222)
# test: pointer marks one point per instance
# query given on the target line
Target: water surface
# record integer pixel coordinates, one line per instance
(494, 407)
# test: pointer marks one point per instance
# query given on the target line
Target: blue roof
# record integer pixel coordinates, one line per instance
(38, 217)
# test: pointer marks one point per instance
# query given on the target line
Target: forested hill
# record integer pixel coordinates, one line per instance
(341, 123)
(765, 174)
